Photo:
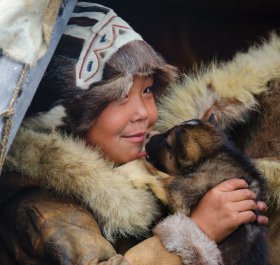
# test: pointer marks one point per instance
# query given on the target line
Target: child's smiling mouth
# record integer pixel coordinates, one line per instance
(137, 137)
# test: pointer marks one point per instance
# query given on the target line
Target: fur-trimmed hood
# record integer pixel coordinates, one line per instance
(240, 79)
(68, 167)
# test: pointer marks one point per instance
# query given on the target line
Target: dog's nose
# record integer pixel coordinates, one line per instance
(150, 134)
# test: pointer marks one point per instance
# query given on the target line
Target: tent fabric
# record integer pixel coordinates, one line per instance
(19, 81)
(7, 114)
(25, 28)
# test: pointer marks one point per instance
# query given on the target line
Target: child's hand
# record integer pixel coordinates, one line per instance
(225, 207)
(262, 207)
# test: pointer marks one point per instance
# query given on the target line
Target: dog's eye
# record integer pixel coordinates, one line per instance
(167, 145)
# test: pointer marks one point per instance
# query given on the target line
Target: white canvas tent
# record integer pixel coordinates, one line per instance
(19, 81)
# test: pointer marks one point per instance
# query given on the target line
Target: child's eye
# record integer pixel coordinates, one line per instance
(148, 90)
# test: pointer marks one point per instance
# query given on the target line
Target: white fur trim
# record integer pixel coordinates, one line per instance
(95, 15)
(180, 234)
(88, 4)
(78, 32)
(49, 120)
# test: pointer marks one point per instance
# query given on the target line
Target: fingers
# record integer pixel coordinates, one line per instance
(262, 207)
(232, 184)
(245, 205)
(240, 195)
(262, 220)
(246, 217)
(246, 214)
(235, 190)
(249, 216)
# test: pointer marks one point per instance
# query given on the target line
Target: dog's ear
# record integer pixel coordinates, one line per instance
(212, 119)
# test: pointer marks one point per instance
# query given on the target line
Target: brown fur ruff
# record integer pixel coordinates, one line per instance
(67, 167)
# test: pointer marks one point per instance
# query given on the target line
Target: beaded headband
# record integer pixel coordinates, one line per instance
(102, 33)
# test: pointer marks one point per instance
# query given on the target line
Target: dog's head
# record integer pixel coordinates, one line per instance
(181, 148)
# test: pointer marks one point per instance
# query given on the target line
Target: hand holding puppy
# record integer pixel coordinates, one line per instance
(225, 207)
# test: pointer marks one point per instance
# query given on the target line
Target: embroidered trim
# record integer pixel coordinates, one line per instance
(108, 35)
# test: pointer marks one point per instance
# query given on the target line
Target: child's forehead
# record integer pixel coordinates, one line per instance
(143, 78)
(141, 81)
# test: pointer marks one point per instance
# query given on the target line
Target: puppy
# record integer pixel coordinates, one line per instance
(199, 156)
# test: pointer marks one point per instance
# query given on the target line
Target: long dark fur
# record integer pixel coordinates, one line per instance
(199, 156)
(257, 130)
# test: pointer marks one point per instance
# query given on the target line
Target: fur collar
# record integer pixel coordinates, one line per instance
(237, 81)
(68, 167)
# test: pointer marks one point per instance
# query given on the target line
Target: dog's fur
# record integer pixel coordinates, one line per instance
(264, 140)
(257, 131)
(199, 156)
(244, 95)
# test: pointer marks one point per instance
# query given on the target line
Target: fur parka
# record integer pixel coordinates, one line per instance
(55, 185)
(61, 169)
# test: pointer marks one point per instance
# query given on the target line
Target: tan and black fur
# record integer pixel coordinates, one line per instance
(199, 156)
(244, 95)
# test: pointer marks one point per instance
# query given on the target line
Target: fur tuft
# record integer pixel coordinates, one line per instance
(178, 231)
(271, 170)
(50, 121)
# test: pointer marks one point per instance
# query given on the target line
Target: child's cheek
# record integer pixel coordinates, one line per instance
(154, 117)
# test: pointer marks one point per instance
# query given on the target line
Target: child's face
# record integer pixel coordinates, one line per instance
(122, 127)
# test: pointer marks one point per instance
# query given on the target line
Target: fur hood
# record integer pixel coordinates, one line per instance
(70, 168)
(238, 81)
(229, 90)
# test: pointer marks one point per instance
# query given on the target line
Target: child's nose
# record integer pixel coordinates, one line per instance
(142, 111)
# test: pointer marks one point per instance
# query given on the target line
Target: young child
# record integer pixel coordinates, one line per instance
(63, 198)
